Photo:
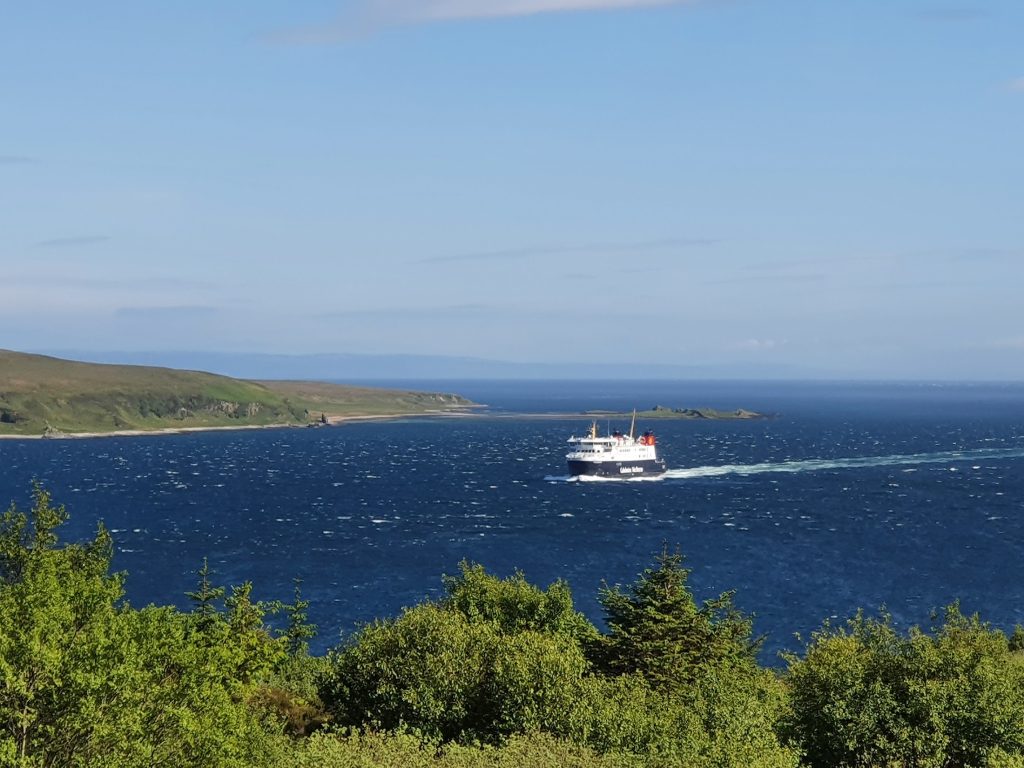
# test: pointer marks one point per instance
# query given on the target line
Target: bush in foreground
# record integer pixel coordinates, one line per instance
(866, 694)
(376, 750)
(496, 658)
(85, 680)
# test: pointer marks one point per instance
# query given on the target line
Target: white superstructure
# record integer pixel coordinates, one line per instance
(617, 455)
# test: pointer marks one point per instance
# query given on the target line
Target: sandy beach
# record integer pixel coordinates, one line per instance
(332, 421)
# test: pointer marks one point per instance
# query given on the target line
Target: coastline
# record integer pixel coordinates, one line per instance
(591, 416)
(474, 411)
(332, 421)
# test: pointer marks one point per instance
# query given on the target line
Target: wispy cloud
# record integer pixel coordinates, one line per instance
(72, 242)
(16, 160)
(985, 254)
(1016, 343)
(921, 287)
(770, 278)
(455, 310)
(365, 17)
(954, 13)
(135, 284)
(946, 254)
(979, 254)
(758, 345)
(1017, 85)
(184, 312)
(559, 250)
(475, 9)
(468, 312)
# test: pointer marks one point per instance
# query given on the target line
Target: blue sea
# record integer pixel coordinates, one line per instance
(852, 495)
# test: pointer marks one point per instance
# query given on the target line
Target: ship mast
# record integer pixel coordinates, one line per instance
(632, 426)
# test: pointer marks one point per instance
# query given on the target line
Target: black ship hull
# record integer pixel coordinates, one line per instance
(620, 469)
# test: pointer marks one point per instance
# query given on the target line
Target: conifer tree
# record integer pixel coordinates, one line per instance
(658, 630)
(300, 630)
(256, 652)
(205, 598)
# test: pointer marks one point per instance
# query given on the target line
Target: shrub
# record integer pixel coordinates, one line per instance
(865, 694)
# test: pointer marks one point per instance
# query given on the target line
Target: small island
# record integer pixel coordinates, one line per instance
(664, 412)
(44, 396)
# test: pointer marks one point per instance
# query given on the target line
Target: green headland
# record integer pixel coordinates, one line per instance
(48, 396)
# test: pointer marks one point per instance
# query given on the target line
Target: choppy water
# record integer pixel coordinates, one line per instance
(855, 495)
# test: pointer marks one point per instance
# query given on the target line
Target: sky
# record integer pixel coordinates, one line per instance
(831, 188)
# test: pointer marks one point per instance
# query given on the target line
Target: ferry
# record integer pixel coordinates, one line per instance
(617, 455)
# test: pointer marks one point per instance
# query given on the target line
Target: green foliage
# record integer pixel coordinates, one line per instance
(299, 630)
(435, 670)
(727, 719)
(500, 662)
(1017, 639)
(534, 684)
(292, 690)
(205, 599)
(625, 715)
(865, 694)
(685, 682)
(286, 679)
(493, 658)
(173, 702)
(419, 670)
(55, 610)
(85, 680)
(253, 652)
(497, 673)
(403, 750)
(514, 605)
(299, 715)
(499, 657)
(739, 708)
(531, 750)
(659, 631)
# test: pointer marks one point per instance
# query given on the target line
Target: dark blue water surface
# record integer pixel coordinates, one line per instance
(854, 495)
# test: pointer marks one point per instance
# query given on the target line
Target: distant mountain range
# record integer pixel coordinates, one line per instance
(352, 367)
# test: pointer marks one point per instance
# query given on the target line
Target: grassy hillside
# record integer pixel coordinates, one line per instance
(41, 394)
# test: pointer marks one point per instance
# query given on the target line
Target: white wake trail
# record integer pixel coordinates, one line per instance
(815, 465)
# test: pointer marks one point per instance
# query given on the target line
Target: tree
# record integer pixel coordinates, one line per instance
(56, 606)
(174, 700)
(867, 694)
(86, 680)
(421, 670)
(450, 678)
(708, 702)
(292, 691)
(1017, 639)
(500, 657)
(205, 599)
(299, 630)
(254, 652)
(514, 605)
(657, 629)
